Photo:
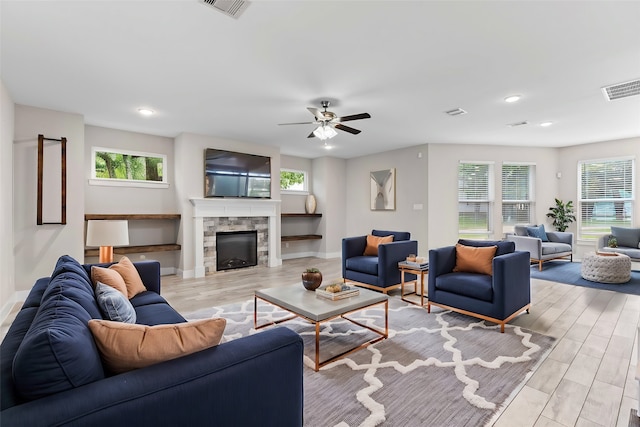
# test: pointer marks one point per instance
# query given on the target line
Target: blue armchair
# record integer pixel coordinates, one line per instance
(377, 272)
(496, 298)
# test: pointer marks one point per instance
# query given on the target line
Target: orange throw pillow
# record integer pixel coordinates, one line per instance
(123, 276)
(108, 277)
(373, 242)
(126, 346)
(471, 259)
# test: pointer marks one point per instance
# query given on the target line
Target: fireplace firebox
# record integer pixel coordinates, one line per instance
(236, 249)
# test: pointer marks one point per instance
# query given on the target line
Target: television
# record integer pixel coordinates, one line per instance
(231, 174)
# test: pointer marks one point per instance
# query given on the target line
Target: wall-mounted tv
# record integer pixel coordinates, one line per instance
(231, 174)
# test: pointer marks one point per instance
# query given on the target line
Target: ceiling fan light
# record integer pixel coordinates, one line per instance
(324, 132)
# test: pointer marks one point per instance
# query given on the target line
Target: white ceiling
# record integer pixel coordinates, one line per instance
(405, 63)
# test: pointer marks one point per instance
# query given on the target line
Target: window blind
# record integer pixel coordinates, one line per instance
(517, 194)
(606, 196)
(474, 200)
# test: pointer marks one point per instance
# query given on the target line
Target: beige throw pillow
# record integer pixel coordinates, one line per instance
(471, 259)
(126, 346)
(372, 244)
(123, 276)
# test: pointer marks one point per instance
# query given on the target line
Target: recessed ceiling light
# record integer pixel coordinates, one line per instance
(512, 98)
(546, 124)
(146, 111)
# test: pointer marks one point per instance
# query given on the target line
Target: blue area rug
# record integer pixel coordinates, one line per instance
(569, 273)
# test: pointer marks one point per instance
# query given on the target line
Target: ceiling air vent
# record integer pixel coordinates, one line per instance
(456, 112)
(232, 8)
(621, 90)
(516, 124)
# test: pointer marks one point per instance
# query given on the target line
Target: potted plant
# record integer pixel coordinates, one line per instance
(311, 278)
(562, 214)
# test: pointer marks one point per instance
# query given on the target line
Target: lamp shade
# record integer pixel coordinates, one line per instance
(324, 132)
(107, 233)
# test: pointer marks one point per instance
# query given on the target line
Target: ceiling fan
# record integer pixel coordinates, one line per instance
(328, 121)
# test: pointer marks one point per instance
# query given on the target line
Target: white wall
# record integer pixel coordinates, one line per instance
(568, 185)
(329, 178)
(189, 170)
(38, 247)
(7, 258)
(135, 200)
(443, 185)
(412, 183)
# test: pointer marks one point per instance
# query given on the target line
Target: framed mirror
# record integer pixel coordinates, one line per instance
(52, 181)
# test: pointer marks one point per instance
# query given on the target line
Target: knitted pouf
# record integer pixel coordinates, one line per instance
(606, 268)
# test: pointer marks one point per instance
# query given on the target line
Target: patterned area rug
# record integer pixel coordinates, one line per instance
(438, 369)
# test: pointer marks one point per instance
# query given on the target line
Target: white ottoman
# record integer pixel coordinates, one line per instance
(606, 268)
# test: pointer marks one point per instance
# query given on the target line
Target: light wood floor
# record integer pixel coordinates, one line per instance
(587, 379)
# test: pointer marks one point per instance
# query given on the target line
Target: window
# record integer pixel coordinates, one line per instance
(293, 181)
(606, 196)
(118, 167)
(517, 195)
(475, 195)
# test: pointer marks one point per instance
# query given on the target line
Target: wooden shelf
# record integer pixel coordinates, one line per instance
(301, 215)
(88, 217)
(300, 237)
(136, 249)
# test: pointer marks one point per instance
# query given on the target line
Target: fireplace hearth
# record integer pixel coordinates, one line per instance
(236, 249)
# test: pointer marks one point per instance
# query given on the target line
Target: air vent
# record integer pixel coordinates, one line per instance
(232, 8)
(621, 90)
(456, 112)
(516, 124)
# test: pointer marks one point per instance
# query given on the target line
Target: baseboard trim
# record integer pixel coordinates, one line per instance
(19, 296)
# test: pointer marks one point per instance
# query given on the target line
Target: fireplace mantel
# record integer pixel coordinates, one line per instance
(221, 207)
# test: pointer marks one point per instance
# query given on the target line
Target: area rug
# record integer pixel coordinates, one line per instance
(569, 273)
(437, 369)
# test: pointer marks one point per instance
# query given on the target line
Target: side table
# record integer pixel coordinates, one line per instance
(418, 271)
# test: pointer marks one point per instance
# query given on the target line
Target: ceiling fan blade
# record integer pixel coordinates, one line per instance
(311, 135)
(354, 117)
(347, 129)
(316, 113)
(299, 123)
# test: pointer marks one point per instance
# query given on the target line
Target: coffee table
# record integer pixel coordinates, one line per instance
(316, 310)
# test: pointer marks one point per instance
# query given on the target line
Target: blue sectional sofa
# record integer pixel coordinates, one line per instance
(52, 373)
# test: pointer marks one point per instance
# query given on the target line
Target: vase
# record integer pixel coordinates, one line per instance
(310, 204)
(311, 281)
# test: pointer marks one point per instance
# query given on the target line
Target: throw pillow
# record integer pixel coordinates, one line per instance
(108, 277)
(130, 275)
(123, 276)
(470, 259)
(372, 244)
(125, 346)
(538, 232)
(114, 305)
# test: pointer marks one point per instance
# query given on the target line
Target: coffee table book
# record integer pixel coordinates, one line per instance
(416, 265)
(347, 291)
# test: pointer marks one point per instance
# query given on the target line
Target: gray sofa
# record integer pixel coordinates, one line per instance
(560, 244)
(628, 242)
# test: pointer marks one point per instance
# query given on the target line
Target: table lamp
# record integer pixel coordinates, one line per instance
(106, 234)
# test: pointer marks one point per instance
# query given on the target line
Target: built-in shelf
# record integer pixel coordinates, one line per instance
(301, 215)
(300, 237)
(163, 247)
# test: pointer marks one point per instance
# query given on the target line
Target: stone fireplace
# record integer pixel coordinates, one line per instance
(225, 215)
